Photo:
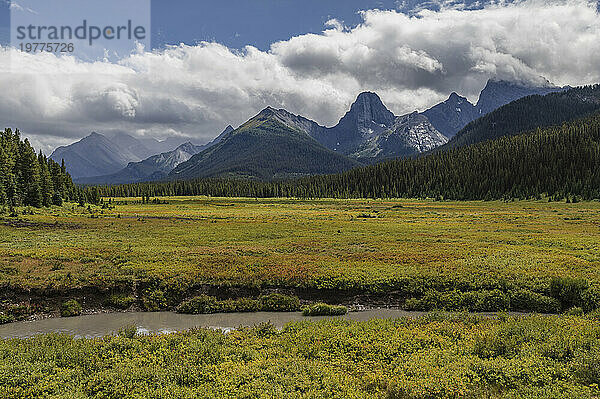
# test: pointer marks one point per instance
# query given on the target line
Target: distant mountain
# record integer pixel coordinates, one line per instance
(366, 119)
(97, 154)
(497, 93)
(558, 161)
(278, 144)
(529, 113)
(155, 167)
(408, 135)
(273, 144)
(369, 131)
(156, 147)
(94, 155)
(455, 113)
(450, 116)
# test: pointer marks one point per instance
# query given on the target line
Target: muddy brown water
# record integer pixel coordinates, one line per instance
(98, 325)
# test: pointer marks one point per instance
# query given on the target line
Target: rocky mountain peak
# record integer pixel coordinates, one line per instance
(499, 92)
(186, 147)
(368, 108)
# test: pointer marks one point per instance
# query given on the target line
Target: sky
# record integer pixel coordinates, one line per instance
(214, 63)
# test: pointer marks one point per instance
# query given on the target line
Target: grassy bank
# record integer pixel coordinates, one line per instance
(432, 357)
(529, 255)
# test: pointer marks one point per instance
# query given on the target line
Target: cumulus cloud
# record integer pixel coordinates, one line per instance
(412, 59)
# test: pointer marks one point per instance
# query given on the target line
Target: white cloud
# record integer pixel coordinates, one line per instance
(412, 60)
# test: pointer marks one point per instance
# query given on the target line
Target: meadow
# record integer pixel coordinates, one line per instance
(418, 254)
(437, 356)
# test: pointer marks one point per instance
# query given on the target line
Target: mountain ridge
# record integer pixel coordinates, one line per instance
(156, 166)
(269, 145)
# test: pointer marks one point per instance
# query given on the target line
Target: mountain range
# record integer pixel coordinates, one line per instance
(273, 144)
(98, 154)
(278, 144)
(529, 113)
(450, 116)
(155, 167)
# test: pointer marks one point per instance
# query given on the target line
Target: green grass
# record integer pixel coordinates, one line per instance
(410, 247)
(529, 255)
(436, 356)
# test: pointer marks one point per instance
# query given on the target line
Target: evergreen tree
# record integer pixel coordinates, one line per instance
(555, 162)
(27, 179)
(28, 175)
(47, 186)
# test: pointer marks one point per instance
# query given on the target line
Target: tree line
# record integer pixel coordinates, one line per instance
(529, 113)
(558, 162)
(27, 179)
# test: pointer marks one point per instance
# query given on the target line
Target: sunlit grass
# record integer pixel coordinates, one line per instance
(362, 244)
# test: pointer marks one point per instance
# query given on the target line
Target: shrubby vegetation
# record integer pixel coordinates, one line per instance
(481, 256)
(70, 308)
(437, 356)
(324, 309)
(265, 303)
(485, 301)
(120, 301)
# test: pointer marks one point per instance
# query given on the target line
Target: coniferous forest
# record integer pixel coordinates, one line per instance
(29, 179)
(529, 113)
(558, 162)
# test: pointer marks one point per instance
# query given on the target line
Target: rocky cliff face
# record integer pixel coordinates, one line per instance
(497, 93)
(450, 116)
(369, 131)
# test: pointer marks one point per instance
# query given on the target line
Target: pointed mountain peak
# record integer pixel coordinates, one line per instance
(280, 114)
(455, 97)
(369, 100)
(368, 96)
(95, 134)
(186, 146)
(368, 108)
(222, 135)
(268, 111)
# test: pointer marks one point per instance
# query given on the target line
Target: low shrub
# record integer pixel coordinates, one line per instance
(129, 331)
(414, 304)
(586, 365)
(154, 300)
(70, 308)
(478, 301)
(120, 301)
(6, 318)
(279, 303)
(486, 301)
(200, 305)
(209, 304)
(526, 300)
(323, 309)
(240, 305)
(574, 311)
(19, 312)
(590, 299)
(569, 291)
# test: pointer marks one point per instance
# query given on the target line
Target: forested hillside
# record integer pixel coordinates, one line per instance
(30, 179)
(559, 162)
(268, 146)
(529, 113)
